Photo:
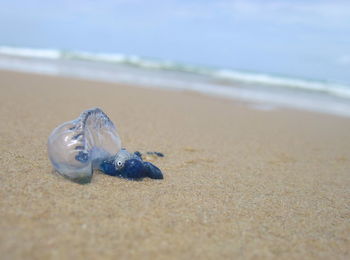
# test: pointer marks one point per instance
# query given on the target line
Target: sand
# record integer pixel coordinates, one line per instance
(239, 183)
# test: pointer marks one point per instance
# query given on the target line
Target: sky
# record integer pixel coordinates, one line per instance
(309, 38)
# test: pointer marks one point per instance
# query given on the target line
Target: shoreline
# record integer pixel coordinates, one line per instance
(239, 182)
(258, 88)
(255, 104)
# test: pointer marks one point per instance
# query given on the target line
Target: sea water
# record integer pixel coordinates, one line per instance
(261, 90)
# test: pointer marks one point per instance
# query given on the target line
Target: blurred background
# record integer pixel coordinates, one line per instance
(277, 52)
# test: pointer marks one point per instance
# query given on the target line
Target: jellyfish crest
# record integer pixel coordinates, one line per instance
(101, 137)
(75, 147)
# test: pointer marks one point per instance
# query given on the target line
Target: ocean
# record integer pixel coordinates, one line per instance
(261, 90)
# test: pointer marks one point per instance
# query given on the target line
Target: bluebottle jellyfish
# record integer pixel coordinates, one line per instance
(76, 148)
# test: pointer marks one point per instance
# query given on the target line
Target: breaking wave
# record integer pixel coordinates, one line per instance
(216, 74)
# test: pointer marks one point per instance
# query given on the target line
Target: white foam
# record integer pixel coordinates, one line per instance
(264, 79)
(30, 53)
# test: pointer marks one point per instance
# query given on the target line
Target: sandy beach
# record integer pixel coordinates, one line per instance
(239, 183)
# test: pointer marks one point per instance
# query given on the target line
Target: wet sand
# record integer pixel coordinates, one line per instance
(239, 183)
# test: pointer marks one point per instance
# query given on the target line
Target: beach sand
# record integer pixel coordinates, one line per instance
(239, 183)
